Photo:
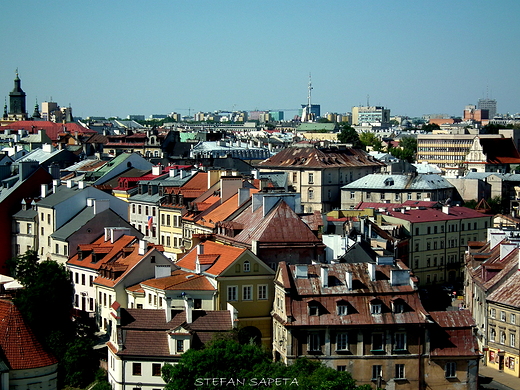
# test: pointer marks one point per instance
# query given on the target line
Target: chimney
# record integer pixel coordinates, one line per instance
(372, 271)
(81, 184)
(188, 304)
(301, 271)
(90, 202)
(348, 280)
(324, 277)
(143, 246)
(55, 184)
(70, 183)
(101, 205)
(168, 309)
(243, 196)
(156, 170)
(162, 270)
(229, 187)
(446, 209)
(173, 172)
(44, 190)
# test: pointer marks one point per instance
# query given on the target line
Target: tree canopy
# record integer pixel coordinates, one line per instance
(46, 304)
(368, 138)
(247, 366)
(349, 135)
(406, 150)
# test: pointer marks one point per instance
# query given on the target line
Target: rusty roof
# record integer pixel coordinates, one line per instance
(508, 293)
(310, 157)
(309, 290)
(281, 224)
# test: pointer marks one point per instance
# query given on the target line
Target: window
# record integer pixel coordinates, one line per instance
(352, 194)
(91, 304)
(83, 279)
(512, 339)
(400, 341)
(341, 368)
(247, 293)
(314, 342)
(180, 345)
(156, 369)
(295, 177)
(502, 315)
(399, 371)
(232, 293)
(262, 291)
(493, 313)
(418, 196)
(377, 372)
(492, 335)
(450, 370)
(311, 178)
(375, 308)
(512, 318)
(369, 195)
(342, 342)
(76, 277)
(382, 196)
(311, 194)
(29, 228)
(247, 266)
(396, 196)
(398, 306)
(409, 196)
(502, 337)
(314, 310)
(377, 341)
(342, 309)
(136, 369)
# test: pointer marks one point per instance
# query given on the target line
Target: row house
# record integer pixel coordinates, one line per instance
(25, 184)
(143, 340)
(319, 173)
(367, 318)
(490, 295)
(149, 143)
(103, 270)
(241, 279)
(61, 205)
(396, 188)
(437, 236)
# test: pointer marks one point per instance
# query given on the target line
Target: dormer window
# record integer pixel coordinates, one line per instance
(342, 309)
(375, 307)
(398, 306)
(314, 309)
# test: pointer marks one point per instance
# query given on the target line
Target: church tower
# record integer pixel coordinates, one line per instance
(17, 101)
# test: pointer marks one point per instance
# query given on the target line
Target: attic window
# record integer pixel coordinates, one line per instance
(152, 259)
(375, 307)
(389, 181)
(342, 309)
(314, 309)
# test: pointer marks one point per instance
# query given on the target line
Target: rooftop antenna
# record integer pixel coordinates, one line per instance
(368, 100)
(309, 95)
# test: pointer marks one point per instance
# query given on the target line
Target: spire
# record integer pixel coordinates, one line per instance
(36, 113)
(5, 109)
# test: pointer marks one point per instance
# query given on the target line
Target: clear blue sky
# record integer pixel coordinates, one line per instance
(120, 57)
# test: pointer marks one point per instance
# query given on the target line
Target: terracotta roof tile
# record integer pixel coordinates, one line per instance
(227, 255)
(181, 280)
(17, 341)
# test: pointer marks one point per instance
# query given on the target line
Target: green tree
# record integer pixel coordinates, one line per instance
(349, 135)
(429, 127)
(368, 138)
(226, 358)
(46, 304)
(406, 150)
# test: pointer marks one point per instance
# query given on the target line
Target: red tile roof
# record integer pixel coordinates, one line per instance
(454, 336)
(17, 341)
(52, 129)
(225, 255)
(181, 280)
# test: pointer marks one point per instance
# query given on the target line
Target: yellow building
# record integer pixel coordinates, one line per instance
(242, 280)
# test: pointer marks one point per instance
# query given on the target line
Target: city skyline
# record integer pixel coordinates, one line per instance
(117, 59)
